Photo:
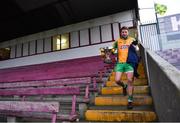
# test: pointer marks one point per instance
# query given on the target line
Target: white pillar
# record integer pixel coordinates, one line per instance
(11, 119)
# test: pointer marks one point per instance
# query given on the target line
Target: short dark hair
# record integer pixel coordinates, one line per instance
(124, 28)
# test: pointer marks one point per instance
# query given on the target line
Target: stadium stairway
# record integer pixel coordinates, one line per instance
(111, 106)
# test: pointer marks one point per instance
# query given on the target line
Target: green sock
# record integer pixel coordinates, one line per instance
(130, 98)
(122, 84)
(125, 85)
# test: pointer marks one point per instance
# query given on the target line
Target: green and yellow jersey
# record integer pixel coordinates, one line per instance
(122, 45)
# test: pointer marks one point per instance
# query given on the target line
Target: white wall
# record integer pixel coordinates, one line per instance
(19, 50)
(84, 37)
(106, 33)
(39, 45)
(32, 47)
(13, 52)
(74, 30)
(25, 48)
(47, 44)
(75, 39)
(55, 56)
(95, 35)
(116, 30)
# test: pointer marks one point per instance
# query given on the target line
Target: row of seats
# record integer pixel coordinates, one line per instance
(62, 69)
(171, 55)
(62, 96)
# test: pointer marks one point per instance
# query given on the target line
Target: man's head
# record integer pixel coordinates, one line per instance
(124, 32)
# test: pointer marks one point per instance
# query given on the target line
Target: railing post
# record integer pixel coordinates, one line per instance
(87, 92)
(11, 119)
(23, 98)
(94, 83)
(54, 116)
(73, 110)
(100, 75)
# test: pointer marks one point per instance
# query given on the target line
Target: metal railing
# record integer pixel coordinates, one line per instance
(152, 40)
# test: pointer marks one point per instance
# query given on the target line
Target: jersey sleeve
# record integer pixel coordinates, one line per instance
(115, 45)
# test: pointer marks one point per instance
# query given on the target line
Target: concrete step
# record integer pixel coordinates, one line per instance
(117, 108)
(137, 82)
(123, 77)
(119, 90)
(122, 100)
(127, 115)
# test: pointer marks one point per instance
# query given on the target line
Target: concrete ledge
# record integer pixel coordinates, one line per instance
(165, 87)
(129, 116)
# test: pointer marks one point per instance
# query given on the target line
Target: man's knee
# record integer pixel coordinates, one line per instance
(130, 80)
(130, 74)
(130, 77)
(117, 79)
